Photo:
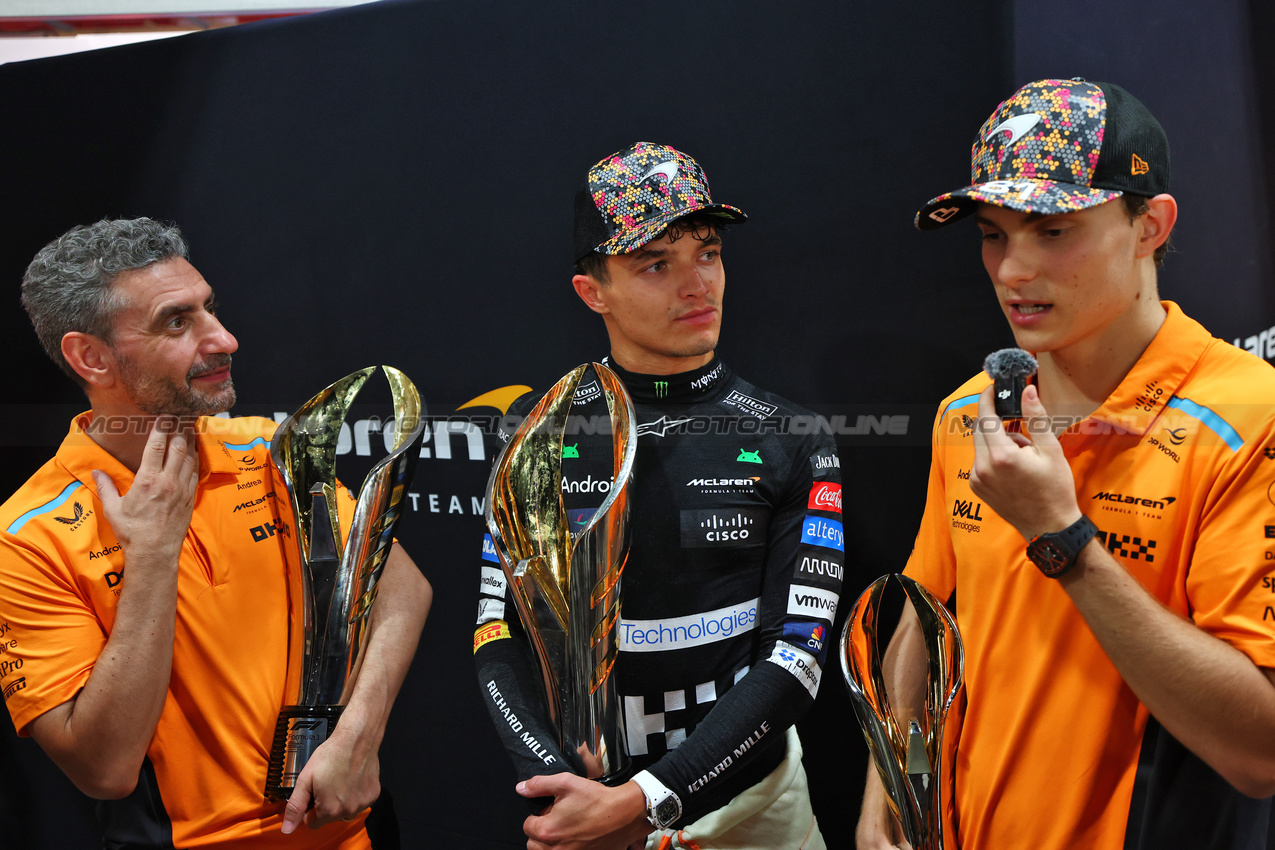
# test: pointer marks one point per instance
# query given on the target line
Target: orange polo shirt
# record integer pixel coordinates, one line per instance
(1176, 470)
(61, 573)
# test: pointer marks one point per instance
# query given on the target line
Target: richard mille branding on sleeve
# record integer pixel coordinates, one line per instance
(528, 740)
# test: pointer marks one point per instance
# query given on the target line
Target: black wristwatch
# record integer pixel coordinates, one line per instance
(663, 807)
(1056, 552)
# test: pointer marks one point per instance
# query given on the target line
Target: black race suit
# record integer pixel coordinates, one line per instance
(732, 581)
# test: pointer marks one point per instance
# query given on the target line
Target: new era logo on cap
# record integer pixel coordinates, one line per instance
(633, 195)
(1061, 145)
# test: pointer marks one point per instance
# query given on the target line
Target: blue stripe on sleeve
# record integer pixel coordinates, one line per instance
(243, 447)
(1211, 420)
(57, 502)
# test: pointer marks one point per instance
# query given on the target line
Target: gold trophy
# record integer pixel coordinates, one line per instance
(907, 760)
(336, 582)
(566, 585)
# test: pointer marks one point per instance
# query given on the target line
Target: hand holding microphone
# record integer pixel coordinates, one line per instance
(1009, 368)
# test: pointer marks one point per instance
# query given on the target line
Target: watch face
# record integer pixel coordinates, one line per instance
(667, 811)
(1050, 557)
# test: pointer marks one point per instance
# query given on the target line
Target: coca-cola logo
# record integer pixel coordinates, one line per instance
(825, 496)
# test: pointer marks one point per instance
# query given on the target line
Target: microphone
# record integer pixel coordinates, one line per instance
(1010, 368)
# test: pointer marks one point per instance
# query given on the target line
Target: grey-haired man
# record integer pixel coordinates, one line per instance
(143, 584)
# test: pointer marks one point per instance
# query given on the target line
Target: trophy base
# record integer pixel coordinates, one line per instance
(298, 732)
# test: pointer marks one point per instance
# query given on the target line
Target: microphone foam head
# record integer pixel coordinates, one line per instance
(1009, 363)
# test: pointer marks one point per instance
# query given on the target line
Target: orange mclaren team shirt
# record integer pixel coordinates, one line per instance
(61, 573)
(1176, 470)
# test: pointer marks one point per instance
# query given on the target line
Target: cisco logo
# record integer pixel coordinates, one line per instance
(735, 527)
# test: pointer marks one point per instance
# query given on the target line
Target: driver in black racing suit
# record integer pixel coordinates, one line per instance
(735, 565)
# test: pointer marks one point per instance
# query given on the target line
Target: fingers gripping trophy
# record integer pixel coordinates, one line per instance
(336, 581)
(566, 586)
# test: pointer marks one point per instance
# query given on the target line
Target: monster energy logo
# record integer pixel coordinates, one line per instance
(661, 388)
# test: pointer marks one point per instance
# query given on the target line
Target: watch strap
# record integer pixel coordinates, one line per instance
(663, 807)
(1056, 552)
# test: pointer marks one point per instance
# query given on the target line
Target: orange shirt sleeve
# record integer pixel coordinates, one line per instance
(1231, 579)
(53, 633)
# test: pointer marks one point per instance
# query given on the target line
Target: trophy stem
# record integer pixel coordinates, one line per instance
(298, 732)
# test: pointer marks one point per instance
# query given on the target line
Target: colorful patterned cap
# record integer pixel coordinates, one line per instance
(634, 194)
(1057, 146)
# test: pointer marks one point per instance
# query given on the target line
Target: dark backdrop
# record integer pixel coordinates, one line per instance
(393, 183)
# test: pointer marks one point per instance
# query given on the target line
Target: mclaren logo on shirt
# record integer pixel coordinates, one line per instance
(253, 505)
(725, 485)
(1120, 498)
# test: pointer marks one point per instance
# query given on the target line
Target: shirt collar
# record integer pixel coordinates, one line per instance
(684, 387)
(80, 454)
(1156, 376)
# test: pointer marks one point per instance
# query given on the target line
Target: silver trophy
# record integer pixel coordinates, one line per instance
(908, 760)
(336, 581)
(566, 585)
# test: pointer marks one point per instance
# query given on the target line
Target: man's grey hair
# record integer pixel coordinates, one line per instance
(68, 288)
